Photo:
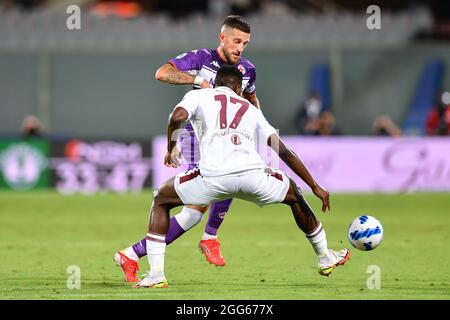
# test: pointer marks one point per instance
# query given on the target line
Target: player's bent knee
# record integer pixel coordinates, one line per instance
(293, 195)
(166, 195)
(158, 199)
(162, 199)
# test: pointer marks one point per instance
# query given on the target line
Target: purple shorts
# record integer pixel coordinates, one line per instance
(189, 148)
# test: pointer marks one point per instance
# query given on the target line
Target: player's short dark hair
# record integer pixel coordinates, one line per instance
(237, 22)
(228, 75)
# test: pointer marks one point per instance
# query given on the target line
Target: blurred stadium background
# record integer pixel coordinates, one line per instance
(84, 87)
(81, 113)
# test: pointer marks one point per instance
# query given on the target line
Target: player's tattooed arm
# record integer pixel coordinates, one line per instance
(296, 165)
(252, 98)
(176, 120)
(170, 74)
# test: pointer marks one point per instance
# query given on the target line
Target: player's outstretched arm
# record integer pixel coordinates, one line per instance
(176, 120)
(170, 74)
(296, 165)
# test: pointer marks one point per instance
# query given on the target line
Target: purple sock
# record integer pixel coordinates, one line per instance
(216, 214)
(175, 231)
(140, 248)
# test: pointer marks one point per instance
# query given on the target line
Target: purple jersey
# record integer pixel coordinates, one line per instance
(205, 63)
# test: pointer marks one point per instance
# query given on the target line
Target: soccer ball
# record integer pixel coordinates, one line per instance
(365, 233)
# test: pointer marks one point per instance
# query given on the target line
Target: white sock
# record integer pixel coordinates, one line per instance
(207, 236)
(156, 249)
(129, 252)
(188, 218)
(318, 240)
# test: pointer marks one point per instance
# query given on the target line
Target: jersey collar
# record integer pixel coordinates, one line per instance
(225, 88)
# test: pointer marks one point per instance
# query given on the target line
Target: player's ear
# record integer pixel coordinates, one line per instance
(221, 36)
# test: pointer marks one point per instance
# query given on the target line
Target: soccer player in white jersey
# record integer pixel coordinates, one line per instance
(198, 68)
(226, 126)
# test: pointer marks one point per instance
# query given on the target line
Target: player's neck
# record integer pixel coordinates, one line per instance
(225, 87)
(221, 55)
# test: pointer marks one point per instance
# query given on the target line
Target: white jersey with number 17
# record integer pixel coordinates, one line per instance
(226, 126)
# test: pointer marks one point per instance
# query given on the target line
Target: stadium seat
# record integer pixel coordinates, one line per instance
(320, 82)
(275, 29)
(429, 83)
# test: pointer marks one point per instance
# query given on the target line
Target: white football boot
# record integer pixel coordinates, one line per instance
(149, 282)
(332, 260)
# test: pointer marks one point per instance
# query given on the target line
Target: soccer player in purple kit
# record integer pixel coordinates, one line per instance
(199, 68)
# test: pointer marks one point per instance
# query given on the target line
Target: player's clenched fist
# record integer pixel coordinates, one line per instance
(172, 158)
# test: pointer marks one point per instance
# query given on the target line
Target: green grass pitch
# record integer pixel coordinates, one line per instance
(42, 233)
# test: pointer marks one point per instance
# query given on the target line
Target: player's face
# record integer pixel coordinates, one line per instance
(233, 43)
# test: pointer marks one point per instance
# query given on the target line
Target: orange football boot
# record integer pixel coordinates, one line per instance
(129, 267)
(211, 250)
